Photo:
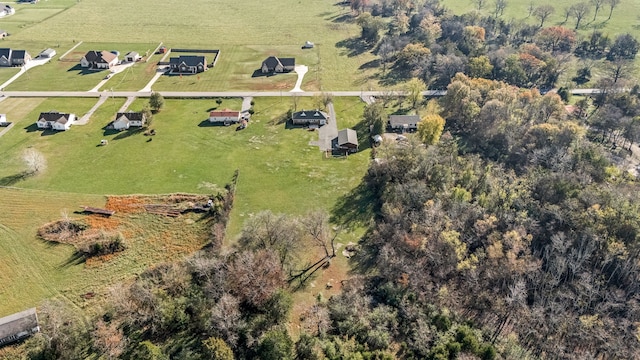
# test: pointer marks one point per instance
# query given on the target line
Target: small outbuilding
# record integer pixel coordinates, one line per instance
(18, 326)
(348, 140)
(132, 56)
(308, 45)
(47, 53)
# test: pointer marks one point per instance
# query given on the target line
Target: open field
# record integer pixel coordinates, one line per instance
(243, 31)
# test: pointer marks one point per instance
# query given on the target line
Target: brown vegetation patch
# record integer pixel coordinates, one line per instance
(125, 204)
(103, 223)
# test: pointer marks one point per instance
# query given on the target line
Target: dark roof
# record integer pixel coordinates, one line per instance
(131, 116)
(271, 62)
(54, 117)
(286, 62)
(189, 60)
(6, 52)
(19, 54)
(310, 114)
(347, 136)
(13, 326)
(400, 120)
(99, 56)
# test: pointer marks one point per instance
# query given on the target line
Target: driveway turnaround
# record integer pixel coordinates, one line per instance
(301, 70)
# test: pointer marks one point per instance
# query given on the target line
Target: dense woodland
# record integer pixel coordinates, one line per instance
(505, 229)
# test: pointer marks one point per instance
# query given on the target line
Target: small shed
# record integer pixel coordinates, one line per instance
(18, 326)
(308, 45)
(132, 56)
(3, 33)
(47, 53)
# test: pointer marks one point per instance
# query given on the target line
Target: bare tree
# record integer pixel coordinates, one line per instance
(579, 11)
(480, 3)
(566, 12)
(597, 4)
(612, 5)
(35, 161)
(542, 12)
(500, 6)
(530, 8)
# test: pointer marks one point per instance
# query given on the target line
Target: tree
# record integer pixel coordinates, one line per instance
(500, 6)
(579, 11)
(371, 27)
(556, 38)
(35, 161)
(156, 101)
(430, 128)
(374, 117)
(414, 89)
(108, 339)
(216, 349)
(218, 101)
(597, 4)
(276, 345)
(625, 47)
(479, 3)
(479, 67)
(542, 12)
(612, 5)
(148, 115)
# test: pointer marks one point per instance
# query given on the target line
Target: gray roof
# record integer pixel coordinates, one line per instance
(286, 62)
(54, 117)
(6, 52)
(14, 327)
(401, 120)
(131, 116)
(19, 54)
(310, 114)
(272, 61)
(189, 60)
(132, 54)
(347, 136)
(48, 52)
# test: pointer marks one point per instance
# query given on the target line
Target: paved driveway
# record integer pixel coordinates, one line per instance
(329, 131)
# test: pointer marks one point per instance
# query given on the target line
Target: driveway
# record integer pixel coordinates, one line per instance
(85, 119)
(300, 70)
(246, 105)
(329, 131)
(33, 63)
(114, 70)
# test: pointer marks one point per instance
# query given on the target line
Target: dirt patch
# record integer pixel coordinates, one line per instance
(102, 222)
(125, 204)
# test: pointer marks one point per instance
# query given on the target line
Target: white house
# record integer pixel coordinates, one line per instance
(99, 60)
(55, 120)
(125, 120)
(225, 116)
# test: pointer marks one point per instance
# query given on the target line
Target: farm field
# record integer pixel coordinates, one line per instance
(278, 170)
(338, 62)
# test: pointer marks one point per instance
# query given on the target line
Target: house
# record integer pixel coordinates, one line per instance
(347, 140)
(225, 116)
(124, 120)
(309, 117)
(19, 57)
(47, 53)
(404, 122)
(18, 326)
(188, 64)
(132, 56)
(55, 120)
(99, 60)
(273, 64)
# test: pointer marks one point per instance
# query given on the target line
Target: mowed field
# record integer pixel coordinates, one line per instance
(246, 33)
